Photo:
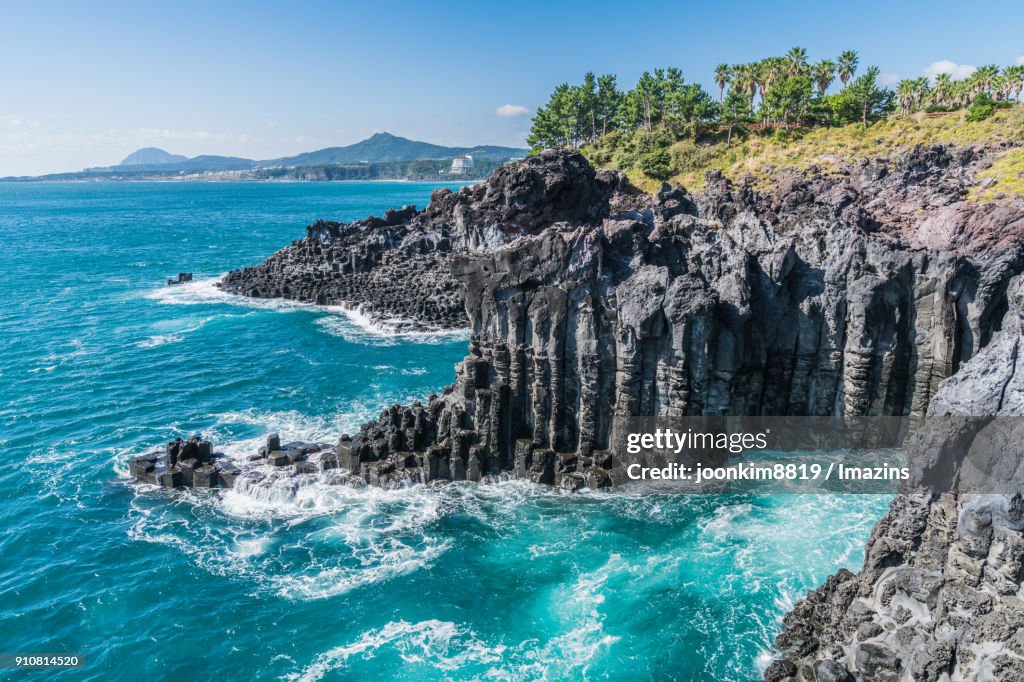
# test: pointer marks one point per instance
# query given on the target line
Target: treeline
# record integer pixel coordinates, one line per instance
(983, 90)
(635, 128)
(773, 91)
(790, 90)
(581, 114)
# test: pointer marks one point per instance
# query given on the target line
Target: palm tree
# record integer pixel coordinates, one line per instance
(942, 89)
(723, 74)
(998, 87)
(823, 73)
(772, 69)
(761, 75)
(797, 58)
(745, 80)
(960, 93)
(984, 78)
(1014, 76)
(921, 92)
(905, 95)
(847, 65)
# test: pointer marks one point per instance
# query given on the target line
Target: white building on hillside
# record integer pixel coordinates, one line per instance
(462, 164)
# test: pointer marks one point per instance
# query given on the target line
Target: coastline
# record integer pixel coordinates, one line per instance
(490, 424)
(459, 181)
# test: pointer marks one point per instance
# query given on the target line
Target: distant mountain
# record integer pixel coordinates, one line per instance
(151, 156)
(382, 150)
(197, 164)
(385, 148)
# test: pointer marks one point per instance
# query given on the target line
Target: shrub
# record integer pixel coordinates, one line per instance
(982, 107)
(656, 164)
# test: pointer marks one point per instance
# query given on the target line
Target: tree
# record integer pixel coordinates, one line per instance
(823, 73)
(609, 100)
(585, 103)
(912, 94)
(797, 60)
(863, 98)
(723, 74)
(789, 99)
(745, 81)
(984, 78)
(848, 61)
(687, 109)
(736, 113)
(770, 70)
(981, 108)
(1014, 80)
(942, 90)
(555, 123)
(904, 93)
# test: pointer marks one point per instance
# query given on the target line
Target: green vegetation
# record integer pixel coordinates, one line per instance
(994, 86)
(768, 114)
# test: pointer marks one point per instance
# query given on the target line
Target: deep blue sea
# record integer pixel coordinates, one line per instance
(99, 361)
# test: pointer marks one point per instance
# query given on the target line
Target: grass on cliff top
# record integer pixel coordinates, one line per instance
(1004, 180)
(758, 154)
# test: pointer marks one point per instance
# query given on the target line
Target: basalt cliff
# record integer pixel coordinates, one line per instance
(875, 288)
(851, 292)
(940, 594)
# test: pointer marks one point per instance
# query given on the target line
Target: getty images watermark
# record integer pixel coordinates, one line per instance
(876, 455)
(680, 442)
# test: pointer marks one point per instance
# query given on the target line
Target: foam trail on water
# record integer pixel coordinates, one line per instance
(442, 645)
(160, 340)
(350, 322)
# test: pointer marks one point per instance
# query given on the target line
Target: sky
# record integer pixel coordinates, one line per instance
(85, 84)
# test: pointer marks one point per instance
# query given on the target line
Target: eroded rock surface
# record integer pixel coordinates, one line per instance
(396, 268)
(874, 289)
(854, 293)
(940, 595)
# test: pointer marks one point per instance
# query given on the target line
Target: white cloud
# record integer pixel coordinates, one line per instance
(957, 71)
(511, 110)
(889, 78)
(200, 135)
(16, 121)
(1019, 60)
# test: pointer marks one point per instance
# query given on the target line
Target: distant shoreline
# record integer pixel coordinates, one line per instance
(226, 181)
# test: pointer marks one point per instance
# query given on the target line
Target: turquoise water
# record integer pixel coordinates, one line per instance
(99, 362)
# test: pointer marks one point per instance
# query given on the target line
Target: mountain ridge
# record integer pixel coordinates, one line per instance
(151, 156)
(378, 148)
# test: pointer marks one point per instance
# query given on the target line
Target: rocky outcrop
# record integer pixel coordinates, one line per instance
(396, 269)
(940, 594)
(873, 289)
(190, 463)
(851, 293)
(183, 278)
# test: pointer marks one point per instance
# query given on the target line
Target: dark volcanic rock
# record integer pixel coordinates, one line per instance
(854, 293)
(939, 596)
(877, 289)
(397, 268)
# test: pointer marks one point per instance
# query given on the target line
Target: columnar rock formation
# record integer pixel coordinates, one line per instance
(941, 593)
(861, 290)
(853, 293)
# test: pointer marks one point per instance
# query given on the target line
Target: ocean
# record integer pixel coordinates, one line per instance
(99, 361)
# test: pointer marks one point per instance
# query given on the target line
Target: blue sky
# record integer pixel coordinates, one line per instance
(84, 84)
